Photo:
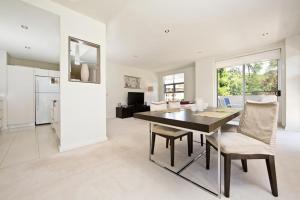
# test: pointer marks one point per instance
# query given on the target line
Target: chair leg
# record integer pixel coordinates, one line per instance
(153, 143)
(227, 170)
(201, 138)
(244, 164)
(172, 144)
(181, 138)
(207, 154)
(167, 143)
(270, 162)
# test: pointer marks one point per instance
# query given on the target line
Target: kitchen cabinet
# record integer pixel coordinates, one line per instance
(20, 96)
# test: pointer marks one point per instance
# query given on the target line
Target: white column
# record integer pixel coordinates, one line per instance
(293, 83)
(205, 72)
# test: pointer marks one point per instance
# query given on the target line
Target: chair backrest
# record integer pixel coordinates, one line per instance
(174, 104)
(227, 102)
(259, 121)
(155, 106)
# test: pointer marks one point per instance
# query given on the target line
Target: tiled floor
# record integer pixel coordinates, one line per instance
(119, 169)
(26, 144)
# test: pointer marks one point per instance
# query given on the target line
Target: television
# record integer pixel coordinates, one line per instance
(135, 98)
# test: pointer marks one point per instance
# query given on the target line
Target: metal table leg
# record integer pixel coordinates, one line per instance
(150, 139)
(218, 194)
(219, 163)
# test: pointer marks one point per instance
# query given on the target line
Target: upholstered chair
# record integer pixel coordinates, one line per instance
(176, 105)
(171, 134)
(254, 139)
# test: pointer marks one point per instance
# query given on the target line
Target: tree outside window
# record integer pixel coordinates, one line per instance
(260, 78)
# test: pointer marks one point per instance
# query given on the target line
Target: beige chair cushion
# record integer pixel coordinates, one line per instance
(259, 121)
(163, 130)
(232, 142)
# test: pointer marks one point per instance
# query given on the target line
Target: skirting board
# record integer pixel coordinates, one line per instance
(82, 144)
(15, 126)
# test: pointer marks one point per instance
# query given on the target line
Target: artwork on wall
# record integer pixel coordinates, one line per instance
(132, 82)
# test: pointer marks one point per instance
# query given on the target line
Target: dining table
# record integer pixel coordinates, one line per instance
(207, 122)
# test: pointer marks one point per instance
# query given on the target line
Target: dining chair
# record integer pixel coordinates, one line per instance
(174, 105)
(254, 139)
(171, 134)
(227, 102)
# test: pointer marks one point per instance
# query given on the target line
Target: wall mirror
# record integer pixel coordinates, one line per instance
(84, 61)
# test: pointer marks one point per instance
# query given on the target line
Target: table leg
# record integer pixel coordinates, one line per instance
(150, 139)
(219, 163)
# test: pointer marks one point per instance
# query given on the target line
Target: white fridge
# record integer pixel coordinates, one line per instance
(46, 91)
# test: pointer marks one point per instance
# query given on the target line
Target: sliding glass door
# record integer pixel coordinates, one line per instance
(261, 81)
(257, 81)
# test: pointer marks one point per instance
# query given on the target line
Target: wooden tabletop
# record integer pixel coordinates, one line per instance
(205, 121)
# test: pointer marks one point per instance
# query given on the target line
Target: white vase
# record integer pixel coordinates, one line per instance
(85, 73)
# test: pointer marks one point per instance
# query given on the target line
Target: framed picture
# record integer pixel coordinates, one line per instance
(132, 82)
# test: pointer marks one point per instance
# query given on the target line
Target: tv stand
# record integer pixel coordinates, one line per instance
(125, 112)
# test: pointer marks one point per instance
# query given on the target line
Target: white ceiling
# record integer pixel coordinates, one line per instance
(135, 28)
(102, 10)
(42, 35)
(198, 28)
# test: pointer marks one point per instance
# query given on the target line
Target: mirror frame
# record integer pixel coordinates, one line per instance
(98, 47)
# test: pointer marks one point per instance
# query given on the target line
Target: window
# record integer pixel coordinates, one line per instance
(256, 81)
(174, 87)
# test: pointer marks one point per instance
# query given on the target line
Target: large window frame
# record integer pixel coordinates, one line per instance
(174, 89)
(244, 91)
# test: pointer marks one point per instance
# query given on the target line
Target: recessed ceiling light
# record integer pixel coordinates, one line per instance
(27, 47)
(167, 31)
(265, 34)
(24, 27)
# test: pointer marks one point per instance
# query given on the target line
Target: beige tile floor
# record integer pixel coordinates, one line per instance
(120, 169)
(26, 144)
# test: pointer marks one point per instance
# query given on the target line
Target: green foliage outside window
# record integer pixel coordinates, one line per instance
(260, 78)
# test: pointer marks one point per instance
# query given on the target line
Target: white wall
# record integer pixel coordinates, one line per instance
(20, 96)
(293, 83)
(205, 75)
(83, 105)
(189, 82)
(3, 85)
(3, 71)
(116, 93)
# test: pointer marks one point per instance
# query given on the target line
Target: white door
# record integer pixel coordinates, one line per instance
(44, 106)
(20, 96)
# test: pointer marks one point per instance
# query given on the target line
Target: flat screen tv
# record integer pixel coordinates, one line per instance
(135, 98)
